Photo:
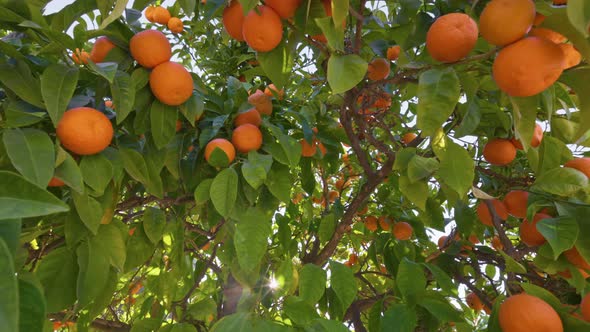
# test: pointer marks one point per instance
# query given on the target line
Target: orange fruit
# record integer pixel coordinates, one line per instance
(149, 13)
(441, 241)
(484, 215)
(550, 35)
(527, 313)
(55, 182)
(499, 152)
(535, 141)
(378, 69)
(263, 29)
(132, 231)
(80, 57)
(307, 150)
(178, 125)
(385, 223)
(108, 103)
(528, 66)
(503, 22)
(322, 148)
(473, 239)
(171, 83)
(560, 2)
(393, 52)
(581, 164)
(516, 203)
(371, 223)
(408, 138)
(246, 138)
(57, 325)
(101, 48)
(529, 234)
(233, 20)
(84, 131)
(285, 8)
(223, 144)
(348, 264)
(251, 116)
(402, 230)
(451, 37)
(353, 258)
(150, 48)
(539, 18)
(333, 196)
(175, 25)
(571, 55)
(134, 289)
(497, 244)
(272, 91)
(574, 257)
(298, 197)
(161, 15)
(261, 102)
(474, 302)
(585, 307)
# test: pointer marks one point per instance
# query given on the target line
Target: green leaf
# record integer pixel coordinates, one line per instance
(343, 283)
(558, 21)
(578, 12)
(20, 198)
(19, 79)
(224, 191)
(97, 171)
(10, 230)
(238, 322)
(511, 264)
(442, 278)
(57, 272)
(277, 64)
(312, 283)
(456, 166)
(94, 272)
(440, 308)
(251, 238)
(416, 192)
(399, 318)
(345, 72)
(134, 164)
(154, 223)
(109, 241)
(299, 311)
(9, 306)
(438, 93)
(69, 172)
(202, 191)
(32, 305)
(552, 153)
(89, 210)
(108, 70)
(192, 109)
(524, 113)
(577, 80)
(327, 227)
(420, 168)
(120, 6)
(340, 11)
(163, 123)
(411, 280)
(32, 154)
(561, 181)
(543, 294)
(123, 92)
(58, 84)
(334, 34)
(139, 249)
(403, 158)
(140, 77)
(279, 182)
(256, 168)
(560, 232)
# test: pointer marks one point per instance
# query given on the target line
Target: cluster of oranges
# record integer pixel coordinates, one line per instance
(169, 81)
(525, 65)
(101, 48)
(310, 149)
(401, 230)
(501, 152)
(161, 15)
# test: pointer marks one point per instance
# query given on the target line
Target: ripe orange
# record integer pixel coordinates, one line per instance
(371, 223)
(262, 29)
(451, 37)
(109, 103)
(473, 239)
(528, 66)
(535, 141)
(585, 307)
(223, 144)
(55, 182)
(272, 91)
(150, 48)
(484, 215)
(322, 148)
(149, 13)
(441, 241)
(80, 57)
(574, 257)
(503, 22)
(363, 210)
(261, 102)
(516, 203)
(308, 150)
(527, 313)
(550, 35)
(171, 83)
(285, 8)
(474, 302)
(408, 138)
(353, 259)
(161, 15)
(497, 244)
(233, 20)
(378, 69)
(499, 152)
(84, 131)
(539, 18)
(251, 116)
(246, 138)
(333, 196)
(571, 55)
(393, 52)
(135, 288)
(175, 25)
(385, 223)
(100, 50)
(402, 230)
(581, 164)
(560, 2)
(529, 234)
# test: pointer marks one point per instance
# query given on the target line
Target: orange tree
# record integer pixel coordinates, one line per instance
(292, 165)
